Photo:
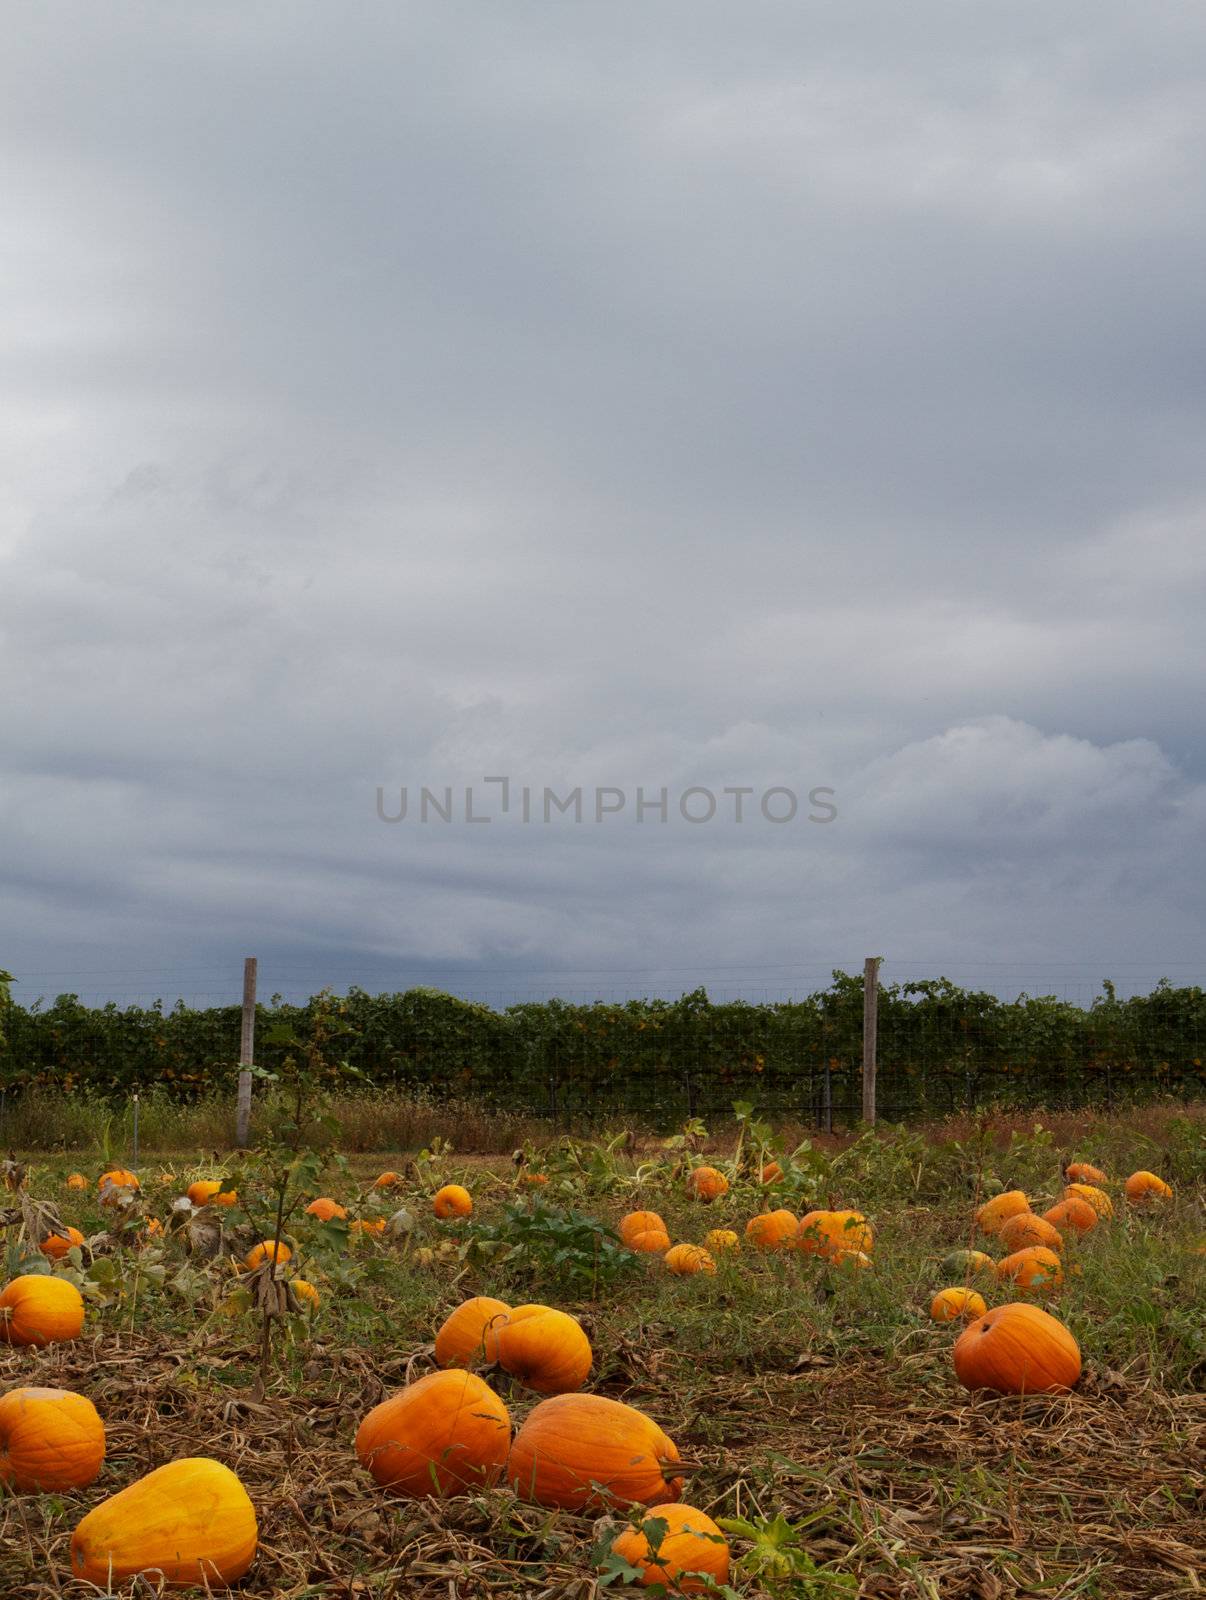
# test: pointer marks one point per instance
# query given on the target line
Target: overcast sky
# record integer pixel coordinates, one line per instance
(684, 394)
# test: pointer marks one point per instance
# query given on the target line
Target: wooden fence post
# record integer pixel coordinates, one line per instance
(246, 1054)
(870, 1021)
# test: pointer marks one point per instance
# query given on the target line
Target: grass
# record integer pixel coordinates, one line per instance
(825, 1396)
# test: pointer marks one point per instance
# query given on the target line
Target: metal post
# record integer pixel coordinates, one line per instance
(870, 1024)
(134, 1141)
(246, 1054)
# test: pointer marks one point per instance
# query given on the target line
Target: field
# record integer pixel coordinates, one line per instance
(814, 1401)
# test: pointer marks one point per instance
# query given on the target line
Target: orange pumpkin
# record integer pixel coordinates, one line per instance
(371, 1225)
(203, 1190)
(1072, 1213)
(117, 1178)
(534, 1180)
(306, 1292)
(772, 1230)
(1082, 1172)
(461, 1337)
(772, 1172)
(707, 1184)
(446, 1433)
(324, 1209)
(687, 1259)
(994, 1213)
(1027, 1229)
(545, 1349)
(655, 1242)
(77, 1180)
(57, 1245)
(387, 1180)
(580, 1450)
(1142, 1187)
(1100, 1201)
(640, 1222)
(267, 1250)
(190, 1522)
(50, 1439)
(154, 1227)
(1035, 1267)
(452, 1201)
(225, 1197)
(718, 1239)
(37, 1309)
(824, 1232)
(690, 1554)
(951, 1305)
(1017, 1349)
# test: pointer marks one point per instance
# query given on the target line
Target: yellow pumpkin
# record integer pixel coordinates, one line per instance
(958, 1304)
(545, 1349)
(1099, 1200)
(719, 1239)
(50, 1439)
(684, 1260)
(691, 1553)
(267, 1250)
(452, 1201)
(38, 1310)
(461, 1339)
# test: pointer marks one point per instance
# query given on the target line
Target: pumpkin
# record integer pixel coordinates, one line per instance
(655, 1242)
(707, 1184)
(545, 1349)
(969, 1263)
(154, 1227)
(267, 1250)
(687, 1259)
(994, 1213)
(50, 1439)
(117, 1178)
(388, 1180)
(772, 1230)
(534, 1180)
(461, 1337)
(690, 1554)
(38, 1309)
(373, 1225)
(77, 1180)
(718, 1239)
(446, 1433)
(191, 1522)
(1082, 1172)
(57, 1245)
(452, 1201)
(1144, 1186)
(225, 1197)
(950, 1305)
(1099, 1200)
(306, 1291)
(1072, 1213)
(772, 1172)
(823, 1232)
(203, 1191)
(640, 1222)
(579, 1450)
(1034, 1267)
(1017, 1349)
(1027, 1229)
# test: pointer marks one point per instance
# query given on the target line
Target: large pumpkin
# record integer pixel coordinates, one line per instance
(994, 1213)
(461, 1337)
(188, 1523)
(37, 1309)
(823, 1233)
(691, 1554)
(452, 1201)
(772, 1230)
(446, 1433)
(579, 1450)
(50, 1439)
(638, 1222)
(1097, 1198)
(956, 1305)
(1034, 1267)
(1144, 1186)
(1017, 1349)
(1026, 1229)
(684, 1260)
(1072, 1213)
(545, 1349)
(706, 1183)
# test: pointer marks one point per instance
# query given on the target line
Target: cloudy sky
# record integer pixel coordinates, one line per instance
(689, 395)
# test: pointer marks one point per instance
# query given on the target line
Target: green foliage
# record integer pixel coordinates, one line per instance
(549, 1246)
(777, 1559)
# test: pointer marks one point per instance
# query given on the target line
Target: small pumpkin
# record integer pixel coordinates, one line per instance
(190, 1522)
(77, 1180)
(1083, 1172)
(388, 1180)
(50, 1439)
(969, 1264)
(225, 1197)
(687, 1259)
(690, 1554)
(1142, 1187)
(772, 1230)
(956, 1305)
(460, 1340)
(325, 1208)
(707, 1184)
(446, 1433)
(1073, 1213)
(640, 1222)
(994, 1213)
(1017, 1349)
(822, 1233)
(580, 1450)
(1027, 1229)
(56, 1245)
(534, 1180)
(720, 1239)
(38, 1309)
(368, 1225)
(154, 1227)
(117, 1178)
(771, 1172)
(306, 1292)
(452, 1201)
(267, 1250)
(1035, 1267)
(203, 1190)
(1097, 1198)
(545, 1349)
